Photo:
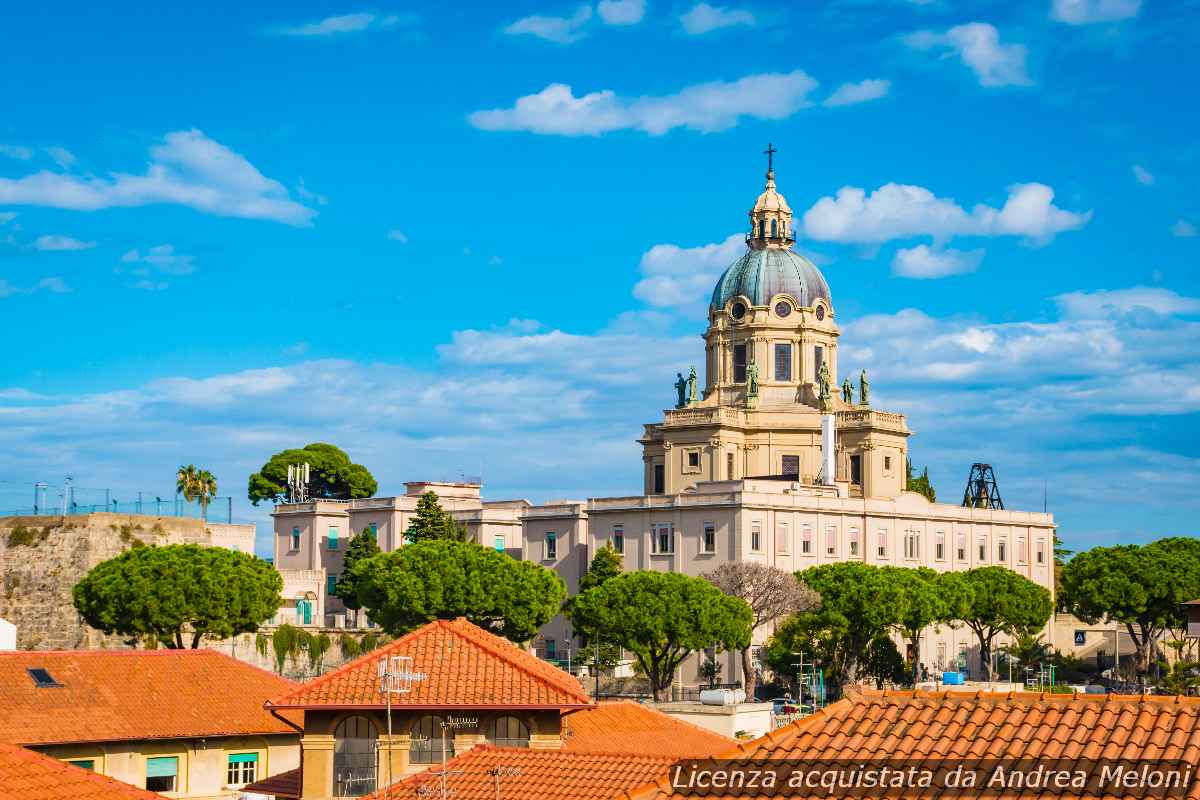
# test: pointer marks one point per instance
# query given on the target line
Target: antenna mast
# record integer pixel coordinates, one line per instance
(396, 676)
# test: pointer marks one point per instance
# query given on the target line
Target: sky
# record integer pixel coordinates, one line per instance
(479, 238)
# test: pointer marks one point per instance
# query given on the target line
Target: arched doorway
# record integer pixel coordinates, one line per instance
(508, 732)
(354, 760)
(426, 737)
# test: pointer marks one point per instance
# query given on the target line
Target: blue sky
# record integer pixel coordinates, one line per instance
(480, 236)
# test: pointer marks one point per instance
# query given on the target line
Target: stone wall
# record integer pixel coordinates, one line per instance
(42, 558)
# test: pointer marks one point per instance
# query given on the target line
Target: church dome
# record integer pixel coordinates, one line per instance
(763, 273)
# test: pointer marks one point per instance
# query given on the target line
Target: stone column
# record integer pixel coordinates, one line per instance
(400, 743)
(317, 754)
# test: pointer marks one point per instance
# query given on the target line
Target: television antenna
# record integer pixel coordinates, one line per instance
(500, 771)
(396, 677)
(297, 481)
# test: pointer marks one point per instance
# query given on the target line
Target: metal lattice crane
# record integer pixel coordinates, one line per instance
(981, 491)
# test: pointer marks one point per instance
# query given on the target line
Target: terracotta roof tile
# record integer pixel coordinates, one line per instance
(628, 727)
(462, 664)
(978, 725)
(282, 785)
(110, 695)
(32, 776)
(532, 774)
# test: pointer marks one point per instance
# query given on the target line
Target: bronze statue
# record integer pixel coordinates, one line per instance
(681, 386)
(691, 381)
(847, 391)
(864, 389)
(824, 379)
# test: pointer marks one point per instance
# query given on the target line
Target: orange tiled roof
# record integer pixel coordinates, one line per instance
(628, 727)
(109, 695)
(979, 725)
(525, 773)
(281, 785)
(33, 776)
(462, 664)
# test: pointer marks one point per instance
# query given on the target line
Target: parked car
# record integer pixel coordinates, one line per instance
(784, 705)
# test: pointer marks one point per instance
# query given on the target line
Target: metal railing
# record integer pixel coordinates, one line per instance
(219, 509)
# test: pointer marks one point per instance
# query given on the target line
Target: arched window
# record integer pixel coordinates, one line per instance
(426, 747)
(774, 229)
(354, 757)
(508, 732)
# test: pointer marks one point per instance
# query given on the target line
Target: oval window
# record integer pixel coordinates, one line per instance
(820, 312)
(783, 308)
(738, 310)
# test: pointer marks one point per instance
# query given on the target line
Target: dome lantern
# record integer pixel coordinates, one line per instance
(771, 217)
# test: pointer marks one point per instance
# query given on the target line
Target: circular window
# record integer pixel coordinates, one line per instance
(783, 308)
(820, 312)
(738, 310)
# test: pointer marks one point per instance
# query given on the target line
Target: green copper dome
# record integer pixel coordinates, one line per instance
(761, 274)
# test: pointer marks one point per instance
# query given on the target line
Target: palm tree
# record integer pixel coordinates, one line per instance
(196, 484)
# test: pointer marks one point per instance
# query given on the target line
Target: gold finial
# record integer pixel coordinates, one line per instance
(770, 154)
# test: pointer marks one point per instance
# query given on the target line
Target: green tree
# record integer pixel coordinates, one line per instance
(1003, 602)
(333, 475)
(662, 617)
(441, 579)
(1141, 587)
(919, 485)
(924, 604)
(1027, 651)
(177, 590)
(883, 663)
(817, 638)
(361, 547)
(606, 564)
(432, 522)
(858, 603)
(196, 484)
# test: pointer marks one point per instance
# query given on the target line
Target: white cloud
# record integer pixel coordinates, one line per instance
(397, 235)
(54, 242)
(16, 151)
(561, 30)
(925, 262)
(703, 18)
(54, 285)
(1101, 304)
(164, 259)
(62, 156)
(1183, 229)
(305, 194)
(683, 277)
(1142, 175)
(347, 23)
(897, 211)
(978, 45)
(187, 168)
(621, 12)
(7, 217)
(707, 107)
(851, 93)
(1086, 12)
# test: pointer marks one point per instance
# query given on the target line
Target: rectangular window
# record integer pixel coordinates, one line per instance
(295, 540)
(663, 541)
(499, 544)
(982, 549)
(756, 537)
(912, 545)
(881, 544)
(739, 363)
(791, 467)
(162, 773)
(333, 537)
(618, 539)
(693, 459)
(854, 541)
(710, 538)
(1022, 550)
(1002, 551)
(729, 466)
(330, 584)
(551, 648)
(1041, 551)
(783, 362)
(242, 769)
(374, 529)
(856, 470)
(939, 546)
(659, 479)
(941, 655)
(84, 763)
(960, 545)
(806, 541)
(887, 463)
(782, 539)
(818, 360)
(831, 541)
(551, 546)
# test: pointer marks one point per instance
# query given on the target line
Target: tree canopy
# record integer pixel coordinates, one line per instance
(921, 485)
(1003, 602)
(441, 579)
(334, 476)
(662, 617)
(1142, 587)
(196, 484)
(179, 590)
(858, 603)
(432, 522)
(771, 593)
(606, 564)
(361, 547)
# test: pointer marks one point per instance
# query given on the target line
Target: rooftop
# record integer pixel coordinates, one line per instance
(635, 729)
(111, 695)
(33, 776)
(456, 664)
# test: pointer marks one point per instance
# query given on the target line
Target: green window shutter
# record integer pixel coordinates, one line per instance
(244, 758)
(159, 767)
(84, 763)
(330, 584)
(374, 531)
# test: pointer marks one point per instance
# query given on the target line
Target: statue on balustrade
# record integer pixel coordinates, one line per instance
(681, 386)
